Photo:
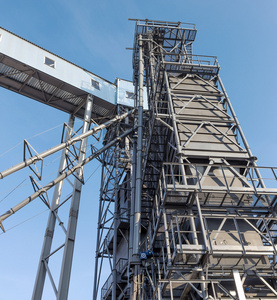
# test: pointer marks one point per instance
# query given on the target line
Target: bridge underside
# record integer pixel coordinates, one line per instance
(42, 87)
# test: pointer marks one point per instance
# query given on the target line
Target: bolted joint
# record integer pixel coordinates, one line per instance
(49, 233)
(73, 213)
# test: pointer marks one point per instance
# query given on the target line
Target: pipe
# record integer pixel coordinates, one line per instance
(61, 146)
(61, 177)
(138, 189)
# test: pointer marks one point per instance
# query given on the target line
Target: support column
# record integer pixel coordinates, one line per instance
(131, 233)
(74, 210)
(138, 190)
(167, 240)
(116, 219)
(239, 286)
(49, 233)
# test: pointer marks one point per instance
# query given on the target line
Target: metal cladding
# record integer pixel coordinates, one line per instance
(204, 213)
(34, 72)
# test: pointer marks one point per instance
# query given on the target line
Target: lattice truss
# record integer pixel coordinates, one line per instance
(26, 80)
(114, 214)
(212, 222)
(79, 145)
(184, 211)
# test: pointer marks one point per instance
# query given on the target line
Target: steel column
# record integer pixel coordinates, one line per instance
(138, 190)
(137, 215)
(49, 233)
(116, 220)
(239, 286)
(74, 211)
(95, 281)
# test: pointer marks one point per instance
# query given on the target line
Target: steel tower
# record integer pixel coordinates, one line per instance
(192, 216)
(184, 211)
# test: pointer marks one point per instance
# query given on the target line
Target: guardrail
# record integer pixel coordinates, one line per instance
(190, 59)
(107, 286)
(219, 177)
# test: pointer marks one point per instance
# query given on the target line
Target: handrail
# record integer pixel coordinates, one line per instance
(236, 178)
(120, 265)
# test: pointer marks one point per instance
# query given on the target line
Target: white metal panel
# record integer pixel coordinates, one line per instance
(34, 56)
(125, 86)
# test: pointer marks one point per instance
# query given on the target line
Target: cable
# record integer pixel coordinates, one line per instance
(11, 149)
(31, 138)
(92, 173)
(24, 221)
(99, 118)
(44, 131)
(46, 176)
(55, 159)
(12, 190)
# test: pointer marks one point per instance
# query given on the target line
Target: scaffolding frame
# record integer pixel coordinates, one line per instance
(202, 222)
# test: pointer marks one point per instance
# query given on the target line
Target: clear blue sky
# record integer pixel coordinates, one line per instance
(94, 35)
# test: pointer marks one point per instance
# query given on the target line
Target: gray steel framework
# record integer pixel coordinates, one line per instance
(113, 217)
(184, 211)
(202, 224)
(72, 163)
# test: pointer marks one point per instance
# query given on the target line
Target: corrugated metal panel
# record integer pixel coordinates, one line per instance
(100, 110)
(13, 73)
(41, 85)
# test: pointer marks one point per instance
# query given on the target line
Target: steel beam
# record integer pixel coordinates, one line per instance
(74, 211)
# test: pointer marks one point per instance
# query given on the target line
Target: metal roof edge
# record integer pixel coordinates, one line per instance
(55, 55)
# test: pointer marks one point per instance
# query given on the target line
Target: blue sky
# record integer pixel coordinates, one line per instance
(94, 35)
